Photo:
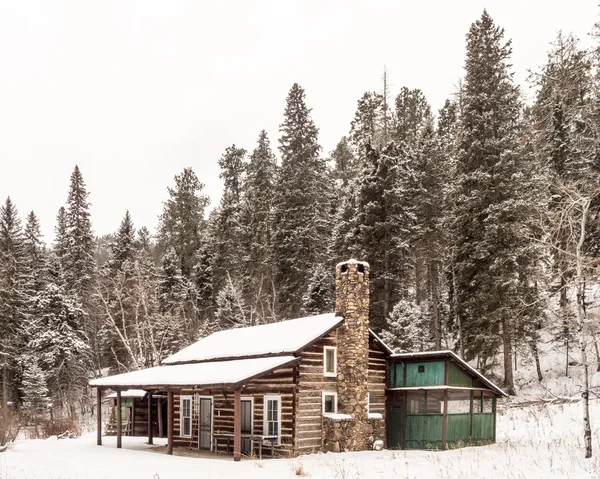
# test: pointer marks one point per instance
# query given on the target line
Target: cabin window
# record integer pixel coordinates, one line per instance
(272, 417)
(186, 416)
(329, 402)
(421, 369)
(330, 361)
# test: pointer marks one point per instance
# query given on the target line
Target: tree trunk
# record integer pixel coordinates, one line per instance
(536, 356)
(433, 280)
(509, 383)
(581, 319)
(5, 386)
(595, 341)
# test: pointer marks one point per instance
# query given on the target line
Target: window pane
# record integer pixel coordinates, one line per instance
(435, 402)
(416, 402)
(329, 403)
(459, 402)
(330, 360)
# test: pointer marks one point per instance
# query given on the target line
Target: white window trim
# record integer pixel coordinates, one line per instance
(334, 373)
(212, 418)
(272, 397)
(335, 402)
(181, 400)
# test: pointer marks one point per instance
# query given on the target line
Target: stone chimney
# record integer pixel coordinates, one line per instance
(352, 302)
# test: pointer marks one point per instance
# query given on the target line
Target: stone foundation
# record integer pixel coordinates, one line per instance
(339, 435)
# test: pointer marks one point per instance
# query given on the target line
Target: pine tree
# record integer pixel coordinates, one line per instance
(320, 296)
(57, 340)
(78, 259)
(408, 327)
(257, 219)
(385, 218)
(231, 310)
(412, 112)
(60, 236)
(35, 258)
(124, 245)
(228, 230)
(367, 127)
(301, 205)
(13, 305)
(492, 208)
(34, 389)
(182, 220)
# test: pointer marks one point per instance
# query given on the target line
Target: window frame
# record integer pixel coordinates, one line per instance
(335, 401)
(182, 417)
(266, 399)
(325, 372)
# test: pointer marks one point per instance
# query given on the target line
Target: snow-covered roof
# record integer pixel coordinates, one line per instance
(129, 393)
(380, 341)
(197, 374)
(455, 357)
(284, 337)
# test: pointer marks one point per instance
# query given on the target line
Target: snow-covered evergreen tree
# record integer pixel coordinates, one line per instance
(319, 298)
(408, 327)
(231, 312)
(34, 390)
(492, 207)
(13, 300)
(257, 230)
(301, 205)
(182, 220)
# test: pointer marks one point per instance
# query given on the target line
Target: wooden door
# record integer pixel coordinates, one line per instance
(395, 426)
(247, 419)
(205, 423)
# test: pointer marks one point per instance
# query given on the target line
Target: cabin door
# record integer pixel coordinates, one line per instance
(247, 418)
(205, 413)
(395, 426)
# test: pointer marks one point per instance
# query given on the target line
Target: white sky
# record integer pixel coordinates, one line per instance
(134, 92)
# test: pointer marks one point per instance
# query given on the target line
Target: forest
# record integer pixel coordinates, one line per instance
(480, 223)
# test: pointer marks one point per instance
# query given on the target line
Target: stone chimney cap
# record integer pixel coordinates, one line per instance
(353, 261)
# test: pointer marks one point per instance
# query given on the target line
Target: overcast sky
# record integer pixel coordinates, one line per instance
(134, 92)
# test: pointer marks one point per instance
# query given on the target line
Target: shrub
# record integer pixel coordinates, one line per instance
(62, 428)
(10, 424)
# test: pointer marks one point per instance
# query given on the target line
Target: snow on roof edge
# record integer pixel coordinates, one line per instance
(190, 375)
(458, 359)
(353, 261)
(381, 341)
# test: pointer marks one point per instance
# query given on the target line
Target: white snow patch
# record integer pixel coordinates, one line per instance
(337, 416)
(129, 393)
(375, 415)
(533, 442)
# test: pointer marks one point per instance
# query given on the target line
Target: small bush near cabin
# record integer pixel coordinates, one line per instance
(62, 428)
(10, 424)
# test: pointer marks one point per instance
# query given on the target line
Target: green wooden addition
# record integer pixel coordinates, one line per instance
(437, 401)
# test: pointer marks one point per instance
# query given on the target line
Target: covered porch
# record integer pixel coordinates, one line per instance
(208, 407)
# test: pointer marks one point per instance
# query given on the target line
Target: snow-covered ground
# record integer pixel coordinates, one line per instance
(533, 442)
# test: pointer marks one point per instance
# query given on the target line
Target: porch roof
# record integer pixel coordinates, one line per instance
(215, 373)
(129, 393)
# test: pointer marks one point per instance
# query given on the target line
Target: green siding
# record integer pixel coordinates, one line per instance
(395, 425)
(458, 378)
(459, 430)
(483, 428)
(432, 376)
(396, 379)
(424, 431)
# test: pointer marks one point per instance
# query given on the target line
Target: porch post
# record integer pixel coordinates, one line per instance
(119, 419)
(237, 425)
(445, 422)
(99, 416)
(170, 422)
(161, 429)
(150, 439)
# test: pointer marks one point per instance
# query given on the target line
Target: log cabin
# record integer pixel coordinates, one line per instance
(319, 383)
